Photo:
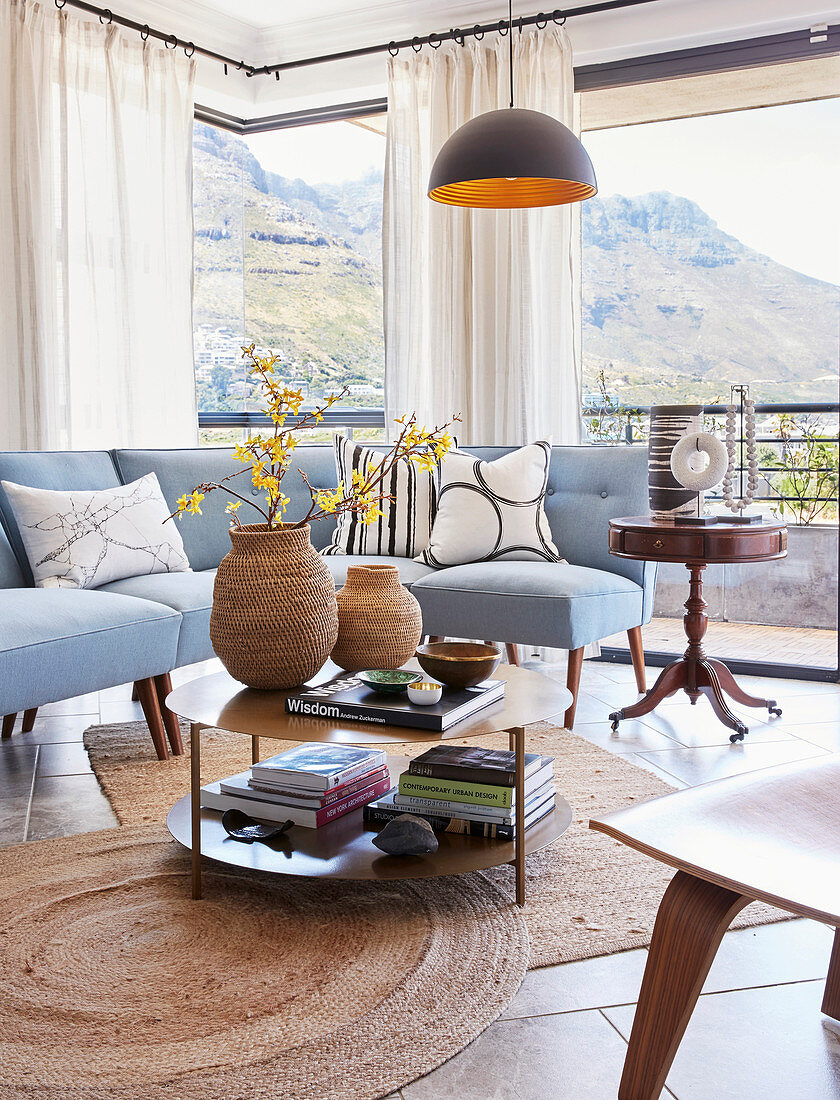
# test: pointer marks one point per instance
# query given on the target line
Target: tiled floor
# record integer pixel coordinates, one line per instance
(757, 1031)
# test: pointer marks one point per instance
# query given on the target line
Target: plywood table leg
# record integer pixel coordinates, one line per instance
(255, 750)
(692, 918)
(831, 998)
(195, 806)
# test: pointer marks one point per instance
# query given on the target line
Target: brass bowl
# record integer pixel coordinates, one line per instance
(459, 664)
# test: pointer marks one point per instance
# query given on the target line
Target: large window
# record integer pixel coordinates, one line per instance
(288, 230)
(711, 256)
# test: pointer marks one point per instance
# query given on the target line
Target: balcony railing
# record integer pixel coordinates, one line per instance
(795, 432)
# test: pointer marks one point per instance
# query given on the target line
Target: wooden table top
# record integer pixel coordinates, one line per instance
(643, 538)
(773, 835)
(220, 701)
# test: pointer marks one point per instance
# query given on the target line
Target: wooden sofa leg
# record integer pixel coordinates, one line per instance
(573, 683)
(512, 654)
(8, 724)
(637, 656)
(151, 710)
(831, 998)
(29, 720)
(163, 686)
(135, 694)
(693, 916)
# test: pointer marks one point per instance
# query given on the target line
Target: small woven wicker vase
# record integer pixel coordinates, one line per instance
(274, 618)
(379, 621)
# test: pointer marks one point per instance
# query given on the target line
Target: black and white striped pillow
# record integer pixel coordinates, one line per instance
(404, 530)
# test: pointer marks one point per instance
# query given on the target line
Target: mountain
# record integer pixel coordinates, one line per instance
(309, 260)
(673, 307)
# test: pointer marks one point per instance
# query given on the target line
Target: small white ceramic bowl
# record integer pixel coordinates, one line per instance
(425, 693)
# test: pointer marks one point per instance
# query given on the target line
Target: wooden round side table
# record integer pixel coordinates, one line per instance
(645, 539)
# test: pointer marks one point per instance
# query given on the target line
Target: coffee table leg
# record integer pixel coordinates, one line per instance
(518, 736)
(195, 806)
(255, 749)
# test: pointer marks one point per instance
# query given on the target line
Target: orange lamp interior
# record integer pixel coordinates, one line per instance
(503, 194)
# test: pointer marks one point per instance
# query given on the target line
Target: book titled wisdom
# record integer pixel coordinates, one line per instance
(344, 698)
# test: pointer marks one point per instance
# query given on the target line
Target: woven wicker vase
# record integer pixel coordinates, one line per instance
(274, 618)
(379, 621)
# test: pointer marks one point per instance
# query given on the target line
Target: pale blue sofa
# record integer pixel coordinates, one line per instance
(58, 643)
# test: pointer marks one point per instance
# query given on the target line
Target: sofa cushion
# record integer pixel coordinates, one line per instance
(492, 511)
(57, 643)
(406, 515)
(535, 603)
(410, 571)
(79, 538)
(190, 594)
(51, 470)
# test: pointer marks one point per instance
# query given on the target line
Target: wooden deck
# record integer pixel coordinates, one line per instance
(744, 641)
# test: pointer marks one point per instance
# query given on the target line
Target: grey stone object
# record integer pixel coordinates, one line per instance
(407, 835)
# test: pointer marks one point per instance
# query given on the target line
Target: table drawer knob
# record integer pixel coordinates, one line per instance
(658, 544)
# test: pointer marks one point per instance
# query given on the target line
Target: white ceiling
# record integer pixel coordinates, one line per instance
(266, 31)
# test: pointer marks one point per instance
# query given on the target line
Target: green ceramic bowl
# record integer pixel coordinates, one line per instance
(388, 681)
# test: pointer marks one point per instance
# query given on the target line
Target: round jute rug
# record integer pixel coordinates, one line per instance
(587, 894)
(114, 984)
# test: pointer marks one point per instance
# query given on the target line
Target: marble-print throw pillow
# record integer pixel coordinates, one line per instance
(492, 511)
(87, 538)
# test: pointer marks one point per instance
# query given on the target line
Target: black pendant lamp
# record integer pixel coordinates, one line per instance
(512, 158)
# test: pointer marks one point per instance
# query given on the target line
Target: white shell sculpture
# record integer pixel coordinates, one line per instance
(687, 463)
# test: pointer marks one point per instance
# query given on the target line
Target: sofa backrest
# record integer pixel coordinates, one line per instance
(50, 470)
(11, 574)
(587, 486)
(206, 538)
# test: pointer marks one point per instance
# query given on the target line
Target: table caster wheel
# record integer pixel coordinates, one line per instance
(736, 737)
(772, 709)
(615, 718)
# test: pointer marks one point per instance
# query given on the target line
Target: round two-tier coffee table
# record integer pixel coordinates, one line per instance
(344, 849)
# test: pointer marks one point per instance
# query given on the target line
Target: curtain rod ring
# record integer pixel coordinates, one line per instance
(109, 13)
(416, 44)
(145, 28)
(559, 17)
(189, 49)
(478, 33)
(393, 49)
(435, 40)
(503, 28)
(456, 32)
(171, 41)
(61, 5)
(240, 66)
(541, 21)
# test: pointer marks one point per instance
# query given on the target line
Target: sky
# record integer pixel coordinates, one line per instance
(770, 177)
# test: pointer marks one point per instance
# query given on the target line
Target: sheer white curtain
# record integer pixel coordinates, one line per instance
(95, 235)
(481, 306)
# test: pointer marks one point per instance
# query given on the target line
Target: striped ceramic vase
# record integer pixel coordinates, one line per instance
(668, 423)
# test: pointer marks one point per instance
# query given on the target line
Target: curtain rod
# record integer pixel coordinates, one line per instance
(172, 41)
(454, 34)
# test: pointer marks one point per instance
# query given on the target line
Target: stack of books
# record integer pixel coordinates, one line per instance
(310, 784)
(468, 790)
